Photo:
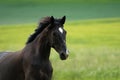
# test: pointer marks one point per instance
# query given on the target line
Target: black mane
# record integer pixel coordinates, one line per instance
(43, 23)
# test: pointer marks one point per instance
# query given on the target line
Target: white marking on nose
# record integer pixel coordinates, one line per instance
(67, 51)
(60, 29)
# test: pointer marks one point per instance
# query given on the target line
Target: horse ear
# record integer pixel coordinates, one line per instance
(63, 20)
(51, 22)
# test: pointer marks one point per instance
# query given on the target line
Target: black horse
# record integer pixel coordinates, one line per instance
(32, 62)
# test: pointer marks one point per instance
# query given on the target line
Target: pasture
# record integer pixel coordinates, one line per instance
(94, 48)
(16, 14)
(93, 34)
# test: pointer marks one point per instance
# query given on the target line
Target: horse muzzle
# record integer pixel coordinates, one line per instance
(64, 55)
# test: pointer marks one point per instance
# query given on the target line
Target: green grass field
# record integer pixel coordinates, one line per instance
(94, 48)
(37, 2)
(16, 14)
(93, 34)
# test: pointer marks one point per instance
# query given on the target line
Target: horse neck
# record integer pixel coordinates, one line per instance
(40, 48)
(43, 49)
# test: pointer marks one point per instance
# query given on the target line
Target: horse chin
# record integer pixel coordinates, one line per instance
(63, 56)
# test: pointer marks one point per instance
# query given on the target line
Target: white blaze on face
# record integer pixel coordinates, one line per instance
(60, 29)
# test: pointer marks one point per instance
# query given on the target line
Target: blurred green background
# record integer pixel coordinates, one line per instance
(93, 38)
(27, 11)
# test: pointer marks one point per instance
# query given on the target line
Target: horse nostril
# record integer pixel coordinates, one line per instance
(62, 54)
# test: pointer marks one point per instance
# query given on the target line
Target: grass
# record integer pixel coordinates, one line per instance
(32, 13)
(38, 2)
(94, 48)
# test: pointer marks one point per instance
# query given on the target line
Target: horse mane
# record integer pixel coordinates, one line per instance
(42, 24)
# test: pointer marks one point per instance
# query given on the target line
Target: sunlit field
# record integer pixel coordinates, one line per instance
(94, 47)
(93, 34)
